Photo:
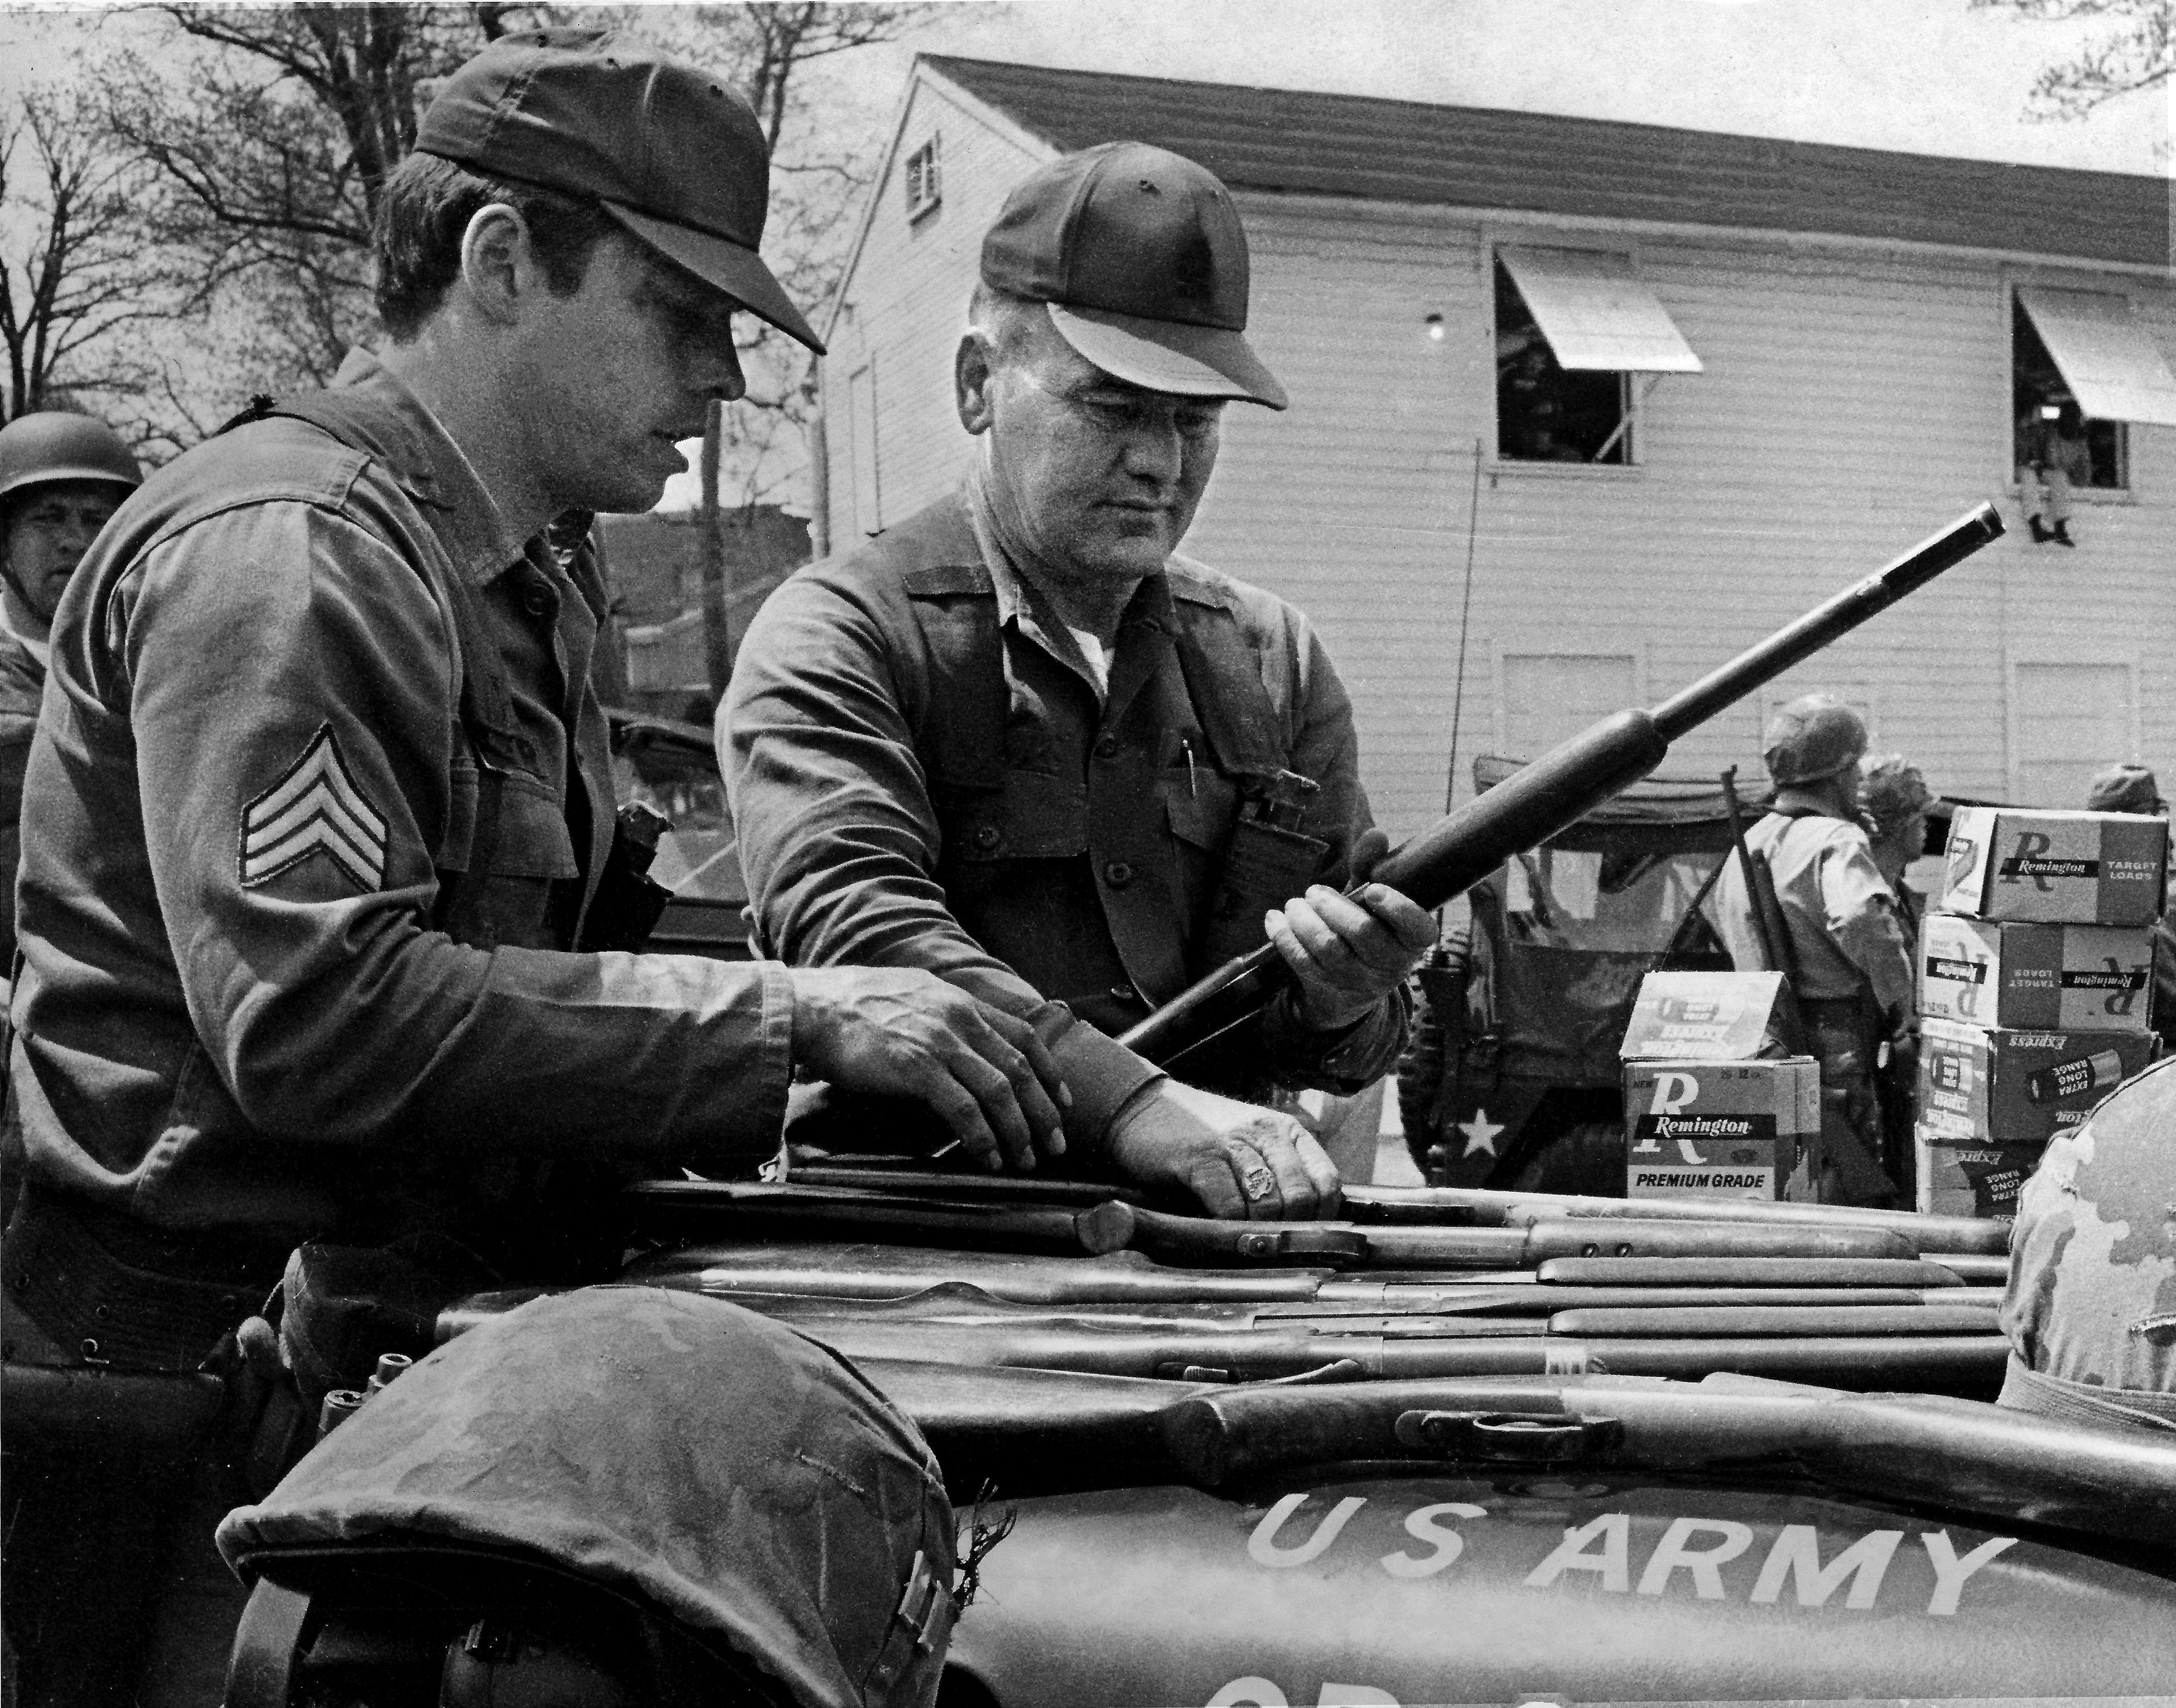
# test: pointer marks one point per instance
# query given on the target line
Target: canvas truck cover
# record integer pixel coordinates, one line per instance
(679, 1450)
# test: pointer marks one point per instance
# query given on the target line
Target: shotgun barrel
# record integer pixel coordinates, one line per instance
(1562, 786)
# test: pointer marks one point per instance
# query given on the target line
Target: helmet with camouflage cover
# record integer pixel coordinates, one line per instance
(1815, 736)
(1893, 793)
(53, 445)
(2091, 1309)
(748, 1487)
(2124, 788)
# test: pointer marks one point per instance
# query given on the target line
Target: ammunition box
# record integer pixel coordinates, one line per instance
(1977, 1180)
(2060, 868)
(2037, 977)
(1718, 1129)
(1981, 1085)
(1702, 1016)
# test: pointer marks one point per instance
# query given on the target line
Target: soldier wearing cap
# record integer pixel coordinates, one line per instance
(318, 830)
(1019, 739)
(2131, 788)
(2091, 1311)
(62, 476)
(1846, 951)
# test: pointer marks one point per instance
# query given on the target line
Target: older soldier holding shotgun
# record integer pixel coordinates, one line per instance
(1020, 740)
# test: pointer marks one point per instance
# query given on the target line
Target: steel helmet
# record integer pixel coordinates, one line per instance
(2088, 1261)
(1894, 790)
(2125, 789)
(746, 1484)
(37, 450)
(1815, 736)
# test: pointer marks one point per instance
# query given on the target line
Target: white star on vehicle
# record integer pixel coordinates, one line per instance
(1480, 1133)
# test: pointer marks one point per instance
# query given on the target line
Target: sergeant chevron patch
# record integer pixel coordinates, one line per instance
(316, 806)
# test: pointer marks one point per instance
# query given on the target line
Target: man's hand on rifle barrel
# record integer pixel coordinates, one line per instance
(1241, 1162)
(901, 1032)
(1349, 952)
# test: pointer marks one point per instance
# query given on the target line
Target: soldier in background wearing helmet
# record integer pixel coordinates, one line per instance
(2125, 788)
(315, 852)
(2091, 1311)
(61, 476)
(1850, 960)
(1895, 801)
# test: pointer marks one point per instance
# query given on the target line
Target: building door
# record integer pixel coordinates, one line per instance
(2066, 721)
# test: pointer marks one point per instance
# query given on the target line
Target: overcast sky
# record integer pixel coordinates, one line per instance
(1933, 76)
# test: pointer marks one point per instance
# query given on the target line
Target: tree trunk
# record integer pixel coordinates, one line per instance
(717, 636)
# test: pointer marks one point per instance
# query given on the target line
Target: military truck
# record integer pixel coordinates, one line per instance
(1458, 1445)
(1511, 1076)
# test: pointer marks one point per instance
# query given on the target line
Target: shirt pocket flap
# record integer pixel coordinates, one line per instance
(1201, 809)
(533, 840)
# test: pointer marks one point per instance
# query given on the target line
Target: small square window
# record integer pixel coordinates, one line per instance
(924, 186)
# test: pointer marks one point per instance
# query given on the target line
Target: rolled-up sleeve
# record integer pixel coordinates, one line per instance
(331, 1008)
(838, 837)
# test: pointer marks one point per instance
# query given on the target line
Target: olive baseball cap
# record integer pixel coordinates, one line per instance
(1141, 257)
(668, 151)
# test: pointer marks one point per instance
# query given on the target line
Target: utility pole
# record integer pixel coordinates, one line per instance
(717, 637)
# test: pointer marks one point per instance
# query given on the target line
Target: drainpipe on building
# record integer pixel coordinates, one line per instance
(819, 487)
(717, 637)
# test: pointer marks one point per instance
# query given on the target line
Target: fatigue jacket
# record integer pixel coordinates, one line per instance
(1840, 911)
(22, 686)
(241, 1006)
(922, 773)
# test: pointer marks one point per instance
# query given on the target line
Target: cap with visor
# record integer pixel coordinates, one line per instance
(1141, 257)
(670, 151)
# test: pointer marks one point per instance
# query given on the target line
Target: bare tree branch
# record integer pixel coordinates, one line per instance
(2138, 51)
(254, 139)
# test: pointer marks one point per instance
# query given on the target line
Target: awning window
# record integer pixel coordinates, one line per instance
(2106, 359)
(1595, 314)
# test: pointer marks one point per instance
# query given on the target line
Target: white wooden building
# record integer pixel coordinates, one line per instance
(1860, 324)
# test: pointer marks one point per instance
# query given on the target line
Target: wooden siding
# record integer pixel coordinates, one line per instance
(1854, 402)
(902, 310)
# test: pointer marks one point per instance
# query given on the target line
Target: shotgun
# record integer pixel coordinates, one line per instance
(1559, 788)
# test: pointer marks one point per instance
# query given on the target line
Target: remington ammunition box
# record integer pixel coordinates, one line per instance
(2061, 868)
(1978, 1180)
(1703, 1016)
(1979, 1086)
(2038, 978)
(1718, 1129)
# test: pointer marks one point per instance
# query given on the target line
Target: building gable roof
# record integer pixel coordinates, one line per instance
(1301, 143)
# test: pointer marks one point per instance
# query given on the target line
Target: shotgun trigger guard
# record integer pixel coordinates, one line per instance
(1519, 1438)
